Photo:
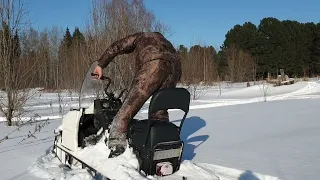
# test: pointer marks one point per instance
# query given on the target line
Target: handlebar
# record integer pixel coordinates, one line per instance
(121, 93)
(102, 77)
(108, 84)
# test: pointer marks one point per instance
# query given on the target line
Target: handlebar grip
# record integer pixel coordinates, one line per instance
(102, 77)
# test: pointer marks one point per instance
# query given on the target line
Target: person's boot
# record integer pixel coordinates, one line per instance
(117, 144)
(116, 151)
(91, 140)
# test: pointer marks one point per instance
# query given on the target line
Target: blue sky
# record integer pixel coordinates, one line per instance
(191, 21)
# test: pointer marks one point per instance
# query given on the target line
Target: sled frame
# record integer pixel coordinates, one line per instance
(83, 164)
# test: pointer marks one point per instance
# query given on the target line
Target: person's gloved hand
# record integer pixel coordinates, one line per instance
(98, 71)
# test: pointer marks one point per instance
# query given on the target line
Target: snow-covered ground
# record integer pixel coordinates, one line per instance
(232, 135)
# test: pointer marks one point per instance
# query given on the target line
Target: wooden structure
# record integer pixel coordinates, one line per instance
(282, 79)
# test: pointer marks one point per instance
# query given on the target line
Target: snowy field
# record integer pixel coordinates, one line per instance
(232, 135)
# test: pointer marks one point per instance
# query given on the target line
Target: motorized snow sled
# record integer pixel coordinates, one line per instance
(156, 143)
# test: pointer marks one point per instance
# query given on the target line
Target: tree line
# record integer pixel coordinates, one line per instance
(57, 58)
(273, 45)
(250, 52)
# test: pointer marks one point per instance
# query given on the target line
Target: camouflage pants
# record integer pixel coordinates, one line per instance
(152, 76)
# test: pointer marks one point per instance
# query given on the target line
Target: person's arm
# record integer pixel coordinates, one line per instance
(123, 46)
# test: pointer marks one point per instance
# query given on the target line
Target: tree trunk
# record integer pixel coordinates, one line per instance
(9, 112)
(9, 117)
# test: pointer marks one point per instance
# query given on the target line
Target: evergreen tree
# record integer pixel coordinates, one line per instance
(77, 36)
(233, 37)
(270, 45)
(67, 39)
(16, 46)
(243, 37)
(221, 62)
(315, 51)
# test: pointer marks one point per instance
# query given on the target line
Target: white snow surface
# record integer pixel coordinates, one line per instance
(234, 135)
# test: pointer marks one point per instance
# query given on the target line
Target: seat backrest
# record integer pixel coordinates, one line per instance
(170, 98)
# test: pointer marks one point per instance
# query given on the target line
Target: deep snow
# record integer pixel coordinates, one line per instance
(235, 130)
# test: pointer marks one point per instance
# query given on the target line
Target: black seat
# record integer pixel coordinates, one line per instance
(150, 136)
(164, 99)
(170, 98)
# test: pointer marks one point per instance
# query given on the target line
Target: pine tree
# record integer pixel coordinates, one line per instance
(16, 46)
(315, 53)
(243, 37)
(67, 39)
(78, 37)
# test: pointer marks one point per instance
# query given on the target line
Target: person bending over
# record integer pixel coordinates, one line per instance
(157, 66)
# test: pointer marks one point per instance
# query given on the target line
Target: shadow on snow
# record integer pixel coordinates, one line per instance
(190, 126)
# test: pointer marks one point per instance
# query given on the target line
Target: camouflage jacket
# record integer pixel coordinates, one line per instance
(146, 46)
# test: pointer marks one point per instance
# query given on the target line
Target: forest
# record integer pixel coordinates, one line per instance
(57, 58)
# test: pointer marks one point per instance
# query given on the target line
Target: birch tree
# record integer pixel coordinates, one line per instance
(14, 71)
